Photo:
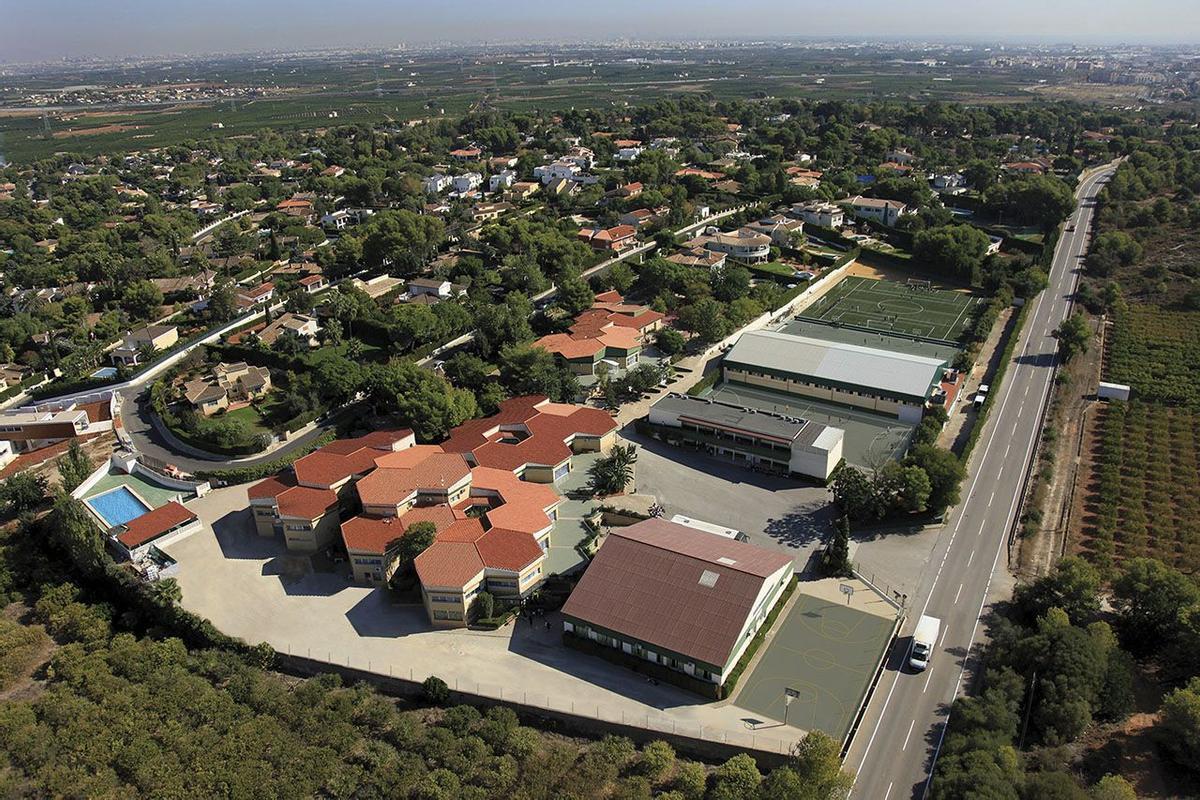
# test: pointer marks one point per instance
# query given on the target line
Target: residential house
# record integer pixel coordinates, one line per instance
(628, 191)
(153, 338)
(638, 218)
(434, 287)
(783, 230)
(502, 180)
(301, 326)
(229, 383)
(31, 429)
(485, 212)
(698, 257)
(899, 156)
(628, 154)
(883, 211)
(556, 170)
(466, 154)
(822, 215)
(436, 183)
(256, 295)
(467, 182)
(743, 245)
(298, 207)
(522, 190)
(616, 239)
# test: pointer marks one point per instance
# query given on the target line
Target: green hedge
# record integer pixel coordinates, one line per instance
(225, 477)
(706, 382)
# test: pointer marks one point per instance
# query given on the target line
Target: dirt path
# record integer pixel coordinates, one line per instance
(1061, 498)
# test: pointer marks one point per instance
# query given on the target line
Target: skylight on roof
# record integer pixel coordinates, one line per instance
(727, 561)
(708, 578)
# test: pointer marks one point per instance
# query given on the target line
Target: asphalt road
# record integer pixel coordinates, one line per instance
(901, 734)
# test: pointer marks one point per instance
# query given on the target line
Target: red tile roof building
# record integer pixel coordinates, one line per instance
(610, 330)
(483, 490)
(154, 527)
(532, 437)
(677, 596)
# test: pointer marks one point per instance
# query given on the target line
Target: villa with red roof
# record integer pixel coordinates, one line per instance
(483, 490)
(533, 438)
(610, 330)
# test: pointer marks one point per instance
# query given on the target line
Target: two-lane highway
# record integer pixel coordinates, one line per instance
(901, 734)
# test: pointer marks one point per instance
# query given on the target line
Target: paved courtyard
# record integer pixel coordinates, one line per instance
(249, 587)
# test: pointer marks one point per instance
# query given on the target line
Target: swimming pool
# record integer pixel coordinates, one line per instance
(105, 372)
(117, 506)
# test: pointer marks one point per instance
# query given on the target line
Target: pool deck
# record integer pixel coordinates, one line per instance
(152, 493)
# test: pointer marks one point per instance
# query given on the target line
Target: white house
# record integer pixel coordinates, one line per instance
(628, 154)
(437, 183)
(548, 173)
(823, 215)
(885, 212)
(504, 179)
(467, 182)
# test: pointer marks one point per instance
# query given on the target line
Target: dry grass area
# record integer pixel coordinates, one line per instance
(1085, 92)
(102, 129)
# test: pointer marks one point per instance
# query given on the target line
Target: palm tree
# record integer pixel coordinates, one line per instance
(612, 473)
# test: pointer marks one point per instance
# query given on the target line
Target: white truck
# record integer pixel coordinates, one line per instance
(923, 641)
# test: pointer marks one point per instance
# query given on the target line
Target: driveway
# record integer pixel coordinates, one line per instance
(135, 416)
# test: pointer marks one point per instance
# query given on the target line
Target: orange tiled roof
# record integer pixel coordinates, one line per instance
(303, 502)
(155, 523)
(451, 564)
(549, 426)
(429, 469)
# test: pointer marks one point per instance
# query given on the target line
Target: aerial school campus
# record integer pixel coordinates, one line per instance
(512, 450)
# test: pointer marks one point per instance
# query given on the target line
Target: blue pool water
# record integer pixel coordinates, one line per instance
(117, 506)
(105, 372)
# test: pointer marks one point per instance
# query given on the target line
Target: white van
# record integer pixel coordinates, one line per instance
(923, 641)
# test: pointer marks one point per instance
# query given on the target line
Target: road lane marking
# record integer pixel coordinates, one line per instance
(956, 594)
(927, 677)
(895, 680)
(911, 725)
(888, 792)
(993, 497)
(972, 558)
(979, 614)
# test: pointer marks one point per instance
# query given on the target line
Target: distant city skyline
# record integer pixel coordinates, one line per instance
(55, 29)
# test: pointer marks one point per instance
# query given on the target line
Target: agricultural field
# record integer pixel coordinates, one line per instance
(1157, 353)
(913, 308)
(1143, 496)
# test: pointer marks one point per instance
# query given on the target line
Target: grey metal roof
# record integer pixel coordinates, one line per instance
(726, 415)
(838, 363)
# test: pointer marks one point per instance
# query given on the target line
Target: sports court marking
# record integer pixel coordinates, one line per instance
(912, 308)
(827, 652)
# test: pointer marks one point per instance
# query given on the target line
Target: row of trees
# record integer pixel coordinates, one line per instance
(1055, 665)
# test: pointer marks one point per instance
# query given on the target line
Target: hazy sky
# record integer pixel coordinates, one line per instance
(34, 30)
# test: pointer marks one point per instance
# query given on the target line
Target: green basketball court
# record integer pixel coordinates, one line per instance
(826, 651)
